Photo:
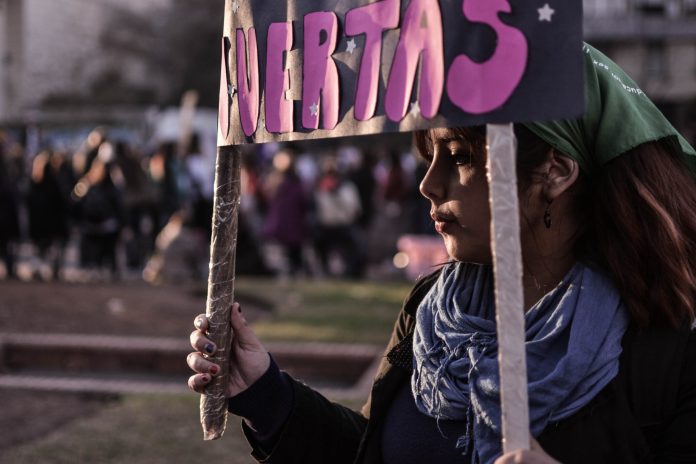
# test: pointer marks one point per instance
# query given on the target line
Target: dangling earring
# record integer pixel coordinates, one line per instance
(547, 215)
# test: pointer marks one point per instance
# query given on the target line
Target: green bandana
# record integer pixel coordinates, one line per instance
(618, 117)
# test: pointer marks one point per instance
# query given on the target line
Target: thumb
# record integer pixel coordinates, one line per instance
(243, 334)
(535, 446)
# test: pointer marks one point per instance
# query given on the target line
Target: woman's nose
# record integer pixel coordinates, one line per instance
(433, 186)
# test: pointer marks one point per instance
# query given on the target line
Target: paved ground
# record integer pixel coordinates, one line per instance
(30, 415)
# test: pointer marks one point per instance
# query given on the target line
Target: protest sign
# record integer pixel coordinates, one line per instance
(304, 69)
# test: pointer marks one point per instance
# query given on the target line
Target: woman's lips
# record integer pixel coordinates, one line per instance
(444, 223)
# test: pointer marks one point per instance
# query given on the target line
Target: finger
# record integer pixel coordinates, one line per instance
(244, 335)
(504, 459)
(514, 457)
(198, 382)
(201, 343)
(526, 457)
(199, 364)
(201, 322)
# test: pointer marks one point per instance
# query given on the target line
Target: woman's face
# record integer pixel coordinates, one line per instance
(457, 187)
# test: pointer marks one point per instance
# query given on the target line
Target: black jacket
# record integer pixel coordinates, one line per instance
(647, 414)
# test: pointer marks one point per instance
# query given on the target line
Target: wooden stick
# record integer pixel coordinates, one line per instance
(223, 246)
(509, 295)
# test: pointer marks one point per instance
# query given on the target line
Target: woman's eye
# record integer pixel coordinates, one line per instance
(462, 158)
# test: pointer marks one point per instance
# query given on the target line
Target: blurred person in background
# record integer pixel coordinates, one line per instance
(83, 158)
(101, 214)
(363, 177)
(163, 172)
(200, 172)
(395, 202)
(9, 213)
(65, 177)
(138, 204)
(253, 201)
(286, 217)
(197, 188)
(395, 189)
(48, 213)
(250, 260)
(337, 210)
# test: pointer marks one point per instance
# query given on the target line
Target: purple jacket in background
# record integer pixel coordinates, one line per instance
(285, 221)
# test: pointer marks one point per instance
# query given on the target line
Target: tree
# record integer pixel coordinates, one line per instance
(178, 44)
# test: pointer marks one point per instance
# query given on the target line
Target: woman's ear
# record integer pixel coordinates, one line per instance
(560, 173)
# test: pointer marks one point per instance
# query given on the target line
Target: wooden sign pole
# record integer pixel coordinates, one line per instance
(509, 295)
(223, 247)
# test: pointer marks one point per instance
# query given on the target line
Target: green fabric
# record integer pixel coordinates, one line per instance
(618, 117)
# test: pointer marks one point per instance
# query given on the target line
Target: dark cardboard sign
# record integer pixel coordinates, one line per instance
(309, 69)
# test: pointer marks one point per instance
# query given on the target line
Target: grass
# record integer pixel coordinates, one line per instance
(143, 429)
(326, 311)
(159, 429)
(140, 429)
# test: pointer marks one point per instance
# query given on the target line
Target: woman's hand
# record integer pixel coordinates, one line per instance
(249, 360)
(536, 455)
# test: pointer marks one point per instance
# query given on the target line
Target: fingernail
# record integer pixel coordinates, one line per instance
(214, 370)
(206, 378)
(239, 308)
(210, 348)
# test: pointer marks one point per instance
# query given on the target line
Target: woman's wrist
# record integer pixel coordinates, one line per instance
(266, 404)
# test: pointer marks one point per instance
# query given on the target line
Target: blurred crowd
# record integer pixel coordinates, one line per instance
(111, 209)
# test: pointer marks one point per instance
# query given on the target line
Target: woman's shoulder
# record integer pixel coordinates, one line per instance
(419, 290)
(658, 347)
(659, 342)
(658, 364)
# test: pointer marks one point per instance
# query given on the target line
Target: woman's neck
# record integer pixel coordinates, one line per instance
(548, 254)
(543, 275)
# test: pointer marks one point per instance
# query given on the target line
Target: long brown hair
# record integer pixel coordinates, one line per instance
(639, 218)
(643, 229)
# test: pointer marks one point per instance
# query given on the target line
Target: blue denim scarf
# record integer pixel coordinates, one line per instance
(573, 341)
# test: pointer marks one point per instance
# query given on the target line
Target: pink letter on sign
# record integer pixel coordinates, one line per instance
(248, 83)
(278, 108)
(224, 101)
(320, 76)
(421, 34)
(370, 20)
(482, 87)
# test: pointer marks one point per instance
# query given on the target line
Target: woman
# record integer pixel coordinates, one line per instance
(99, 205)
(48, 211)
(337, 210)
(608, 209)
(286, 219)
(9, 212)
